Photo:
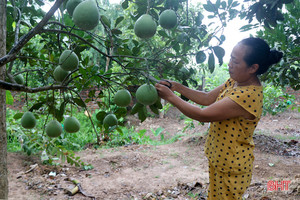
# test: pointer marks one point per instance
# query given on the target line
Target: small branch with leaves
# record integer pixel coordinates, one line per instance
(12, 54)
(22, 88)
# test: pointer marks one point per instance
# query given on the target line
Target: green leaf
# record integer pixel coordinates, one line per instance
(100, 116)
(105, 20)
(220, 53)
(9, 98)
(223, 4)
(163, 33)
(154, 109)
(200, 57)
(37, 106)
(79, 102)
(209, 7)
(138, 106)
(125, 4)
(294, 73)
(120, 112)
(246, 27)
(18, 116)
(142, 113)
(116, 31)
(118, 20)
(211, 62)
(158, 104)
(61, 112)
(235, 4)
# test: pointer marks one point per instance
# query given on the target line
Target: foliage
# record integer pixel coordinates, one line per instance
(275, 100)
(35, 141)
(217, 78)
(285, 37)
(267, 12)
(281, 22)
(111, 57)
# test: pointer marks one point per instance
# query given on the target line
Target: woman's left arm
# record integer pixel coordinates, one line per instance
(218, 111)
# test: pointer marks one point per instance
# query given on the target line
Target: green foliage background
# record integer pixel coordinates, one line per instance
(113, 58)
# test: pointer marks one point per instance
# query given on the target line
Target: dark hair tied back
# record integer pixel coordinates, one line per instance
(275, 56)
(259, 53)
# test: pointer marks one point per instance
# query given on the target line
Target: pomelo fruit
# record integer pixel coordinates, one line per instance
(54, 129)
(71, 125)
(86, 15)
(110, 120)
(168, 19)
(146, 94)
(122, 98)
(19, 79)
(145, 26)
(59, 74)
(68, 60)
(71, 5)
(28, 120)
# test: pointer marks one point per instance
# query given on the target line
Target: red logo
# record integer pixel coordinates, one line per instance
(278, 185)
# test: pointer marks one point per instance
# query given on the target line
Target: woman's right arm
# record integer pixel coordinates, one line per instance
(199, 97)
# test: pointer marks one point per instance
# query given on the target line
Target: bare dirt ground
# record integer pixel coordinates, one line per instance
(173, 171)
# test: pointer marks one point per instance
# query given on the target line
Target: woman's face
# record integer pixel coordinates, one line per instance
(238, 68)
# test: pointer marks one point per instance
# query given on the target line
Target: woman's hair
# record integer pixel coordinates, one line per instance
(259, 53)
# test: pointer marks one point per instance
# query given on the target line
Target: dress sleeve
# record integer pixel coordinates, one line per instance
(251, 99)
(227, 84)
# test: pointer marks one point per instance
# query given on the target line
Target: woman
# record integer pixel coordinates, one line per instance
(234, 109)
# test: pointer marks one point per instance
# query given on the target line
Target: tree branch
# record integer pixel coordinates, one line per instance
(16, 36)
(16, 48)
(22, 88)
(85, 41)
(74, 35)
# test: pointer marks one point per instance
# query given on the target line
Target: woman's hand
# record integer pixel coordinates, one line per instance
(163, 91)
(171, 84)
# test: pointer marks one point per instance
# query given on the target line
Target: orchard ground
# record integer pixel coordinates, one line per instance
(171, 171)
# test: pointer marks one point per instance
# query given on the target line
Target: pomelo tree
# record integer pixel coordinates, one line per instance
(110, 55)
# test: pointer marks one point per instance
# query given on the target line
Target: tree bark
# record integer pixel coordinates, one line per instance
(3, 138)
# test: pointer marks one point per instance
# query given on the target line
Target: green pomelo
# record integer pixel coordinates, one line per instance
(122, 98)
(54, 129)
(71, 125)
(19, 79)
(110, 120)
(68, 60)
(145, 26)
(146, 94)
(168, 19)
(71, 5)
(86, 15)
(28, 120)
(59, 74)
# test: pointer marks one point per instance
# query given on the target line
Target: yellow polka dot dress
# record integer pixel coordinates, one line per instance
(229, 145)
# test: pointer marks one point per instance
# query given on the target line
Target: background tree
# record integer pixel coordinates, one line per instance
(286, 37)
(111, 57)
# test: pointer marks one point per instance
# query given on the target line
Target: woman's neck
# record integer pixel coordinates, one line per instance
(252, 81)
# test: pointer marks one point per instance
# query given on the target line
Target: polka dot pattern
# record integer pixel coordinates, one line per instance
(229, 145)
(227, 186)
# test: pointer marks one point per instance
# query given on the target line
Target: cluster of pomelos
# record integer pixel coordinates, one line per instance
(146, 95)
(53, 128)
(85, 15)
(145, 27)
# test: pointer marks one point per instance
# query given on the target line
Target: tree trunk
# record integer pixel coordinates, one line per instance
(3, 139)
